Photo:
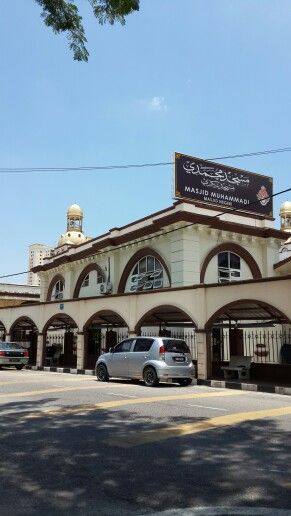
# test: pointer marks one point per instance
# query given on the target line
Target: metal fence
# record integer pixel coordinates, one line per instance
(265, 346)
(268, 346)
(55, 339)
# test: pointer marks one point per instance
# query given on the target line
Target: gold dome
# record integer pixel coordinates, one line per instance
(74, 235)
(72, 238)
(285, 216)
(74, 211)
(285, 208)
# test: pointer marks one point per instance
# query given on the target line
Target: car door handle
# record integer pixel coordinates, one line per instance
(146, 356)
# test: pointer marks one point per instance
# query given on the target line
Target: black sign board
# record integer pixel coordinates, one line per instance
(213, 183)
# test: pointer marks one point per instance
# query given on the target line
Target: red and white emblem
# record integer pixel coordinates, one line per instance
(263, 196)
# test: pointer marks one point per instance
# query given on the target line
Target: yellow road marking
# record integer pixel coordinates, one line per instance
(55, 389)
(169, 432)
(128, 401)
(43, 379)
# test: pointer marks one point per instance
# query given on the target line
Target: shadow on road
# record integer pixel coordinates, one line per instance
(60, 465)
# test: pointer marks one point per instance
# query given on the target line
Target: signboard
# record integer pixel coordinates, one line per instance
(212, 183)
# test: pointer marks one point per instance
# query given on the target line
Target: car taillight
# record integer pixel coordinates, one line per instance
(2, 354)
(162, 352)
(26, 354)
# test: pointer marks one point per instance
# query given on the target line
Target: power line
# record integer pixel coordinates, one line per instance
(27, 170)
(208, 217)
(16, 274)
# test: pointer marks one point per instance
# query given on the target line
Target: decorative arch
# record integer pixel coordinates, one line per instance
(110, 317)
(24, 319)
(62, 318)
(59, 345)
(25, 330)
(91, 267)
(164, 313)
(3, 328)
(146, 251)
(236, 249)
(55, 279)
(269, 311)
(102, 330)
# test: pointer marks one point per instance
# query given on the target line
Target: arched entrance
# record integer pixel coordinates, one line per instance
(169, 321)
(2, 331)
(24, 331)
(102, 331)
(60, 341)
(251, 328)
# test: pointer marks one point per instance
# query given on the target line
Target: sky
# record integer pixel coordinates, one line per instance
(206, 78)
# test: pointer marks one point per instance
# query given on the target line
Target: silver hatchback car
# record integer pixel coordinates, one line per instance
(151, 359)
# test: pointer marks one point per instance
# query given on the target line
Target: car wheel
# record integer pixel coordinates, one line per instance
(150, 377)
(102, 373)
(185, 381)
(19, 367)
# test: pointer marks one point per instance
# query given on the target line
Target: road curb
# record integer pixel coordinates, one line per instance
(62, 370)
(261, 387)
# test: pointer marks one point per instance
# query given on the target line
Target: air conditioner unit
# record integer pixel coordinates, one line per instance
(109, 287)
(105, 288)
(102, 288)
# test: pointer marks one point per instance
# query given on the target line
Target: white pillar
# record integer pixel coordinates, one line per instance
(203, 355)
(7, 337)
(40, 353)
(80, 351)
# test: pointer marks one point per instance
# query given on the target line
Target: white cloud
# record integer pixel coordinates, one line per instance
(158, 104)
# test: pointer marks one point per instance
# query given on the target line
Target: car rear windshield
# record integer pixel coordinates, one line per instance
(175, 346)
(9, 345)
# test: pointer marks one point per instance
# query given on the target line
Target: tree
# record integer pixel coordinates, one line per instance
(63, 16)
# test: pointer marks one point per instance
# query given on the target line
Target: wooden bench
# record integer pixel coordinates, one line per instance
(238, 367)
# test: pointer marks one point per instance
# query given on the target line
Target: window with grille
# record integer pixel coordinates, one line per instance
(59, 289)
(100, 277)
(229, 267)
(147, 274)
(86, 281)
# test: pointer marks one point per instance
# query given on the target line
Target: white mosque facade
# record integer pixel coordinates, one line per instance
(179, 272)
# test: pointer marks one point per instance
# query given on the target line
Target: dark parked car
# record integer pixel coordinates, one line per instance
(11, 354)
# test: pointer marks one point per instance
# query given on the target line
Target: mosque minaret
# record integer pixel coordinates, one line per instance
(285, 218)
(74, 235)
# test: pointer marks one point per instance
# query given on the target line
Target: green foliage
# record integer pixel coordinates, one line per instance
(63, 16)
(113, 10)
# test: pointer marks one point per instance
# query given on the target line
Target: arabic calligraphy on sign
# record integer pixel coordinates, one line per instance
(216, 177)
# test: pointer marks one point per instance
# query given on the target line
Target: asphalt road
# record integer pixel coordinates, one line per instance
(72, 445)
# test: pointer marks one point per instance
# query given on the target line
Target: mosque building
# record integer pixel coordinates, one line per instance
(218, 279)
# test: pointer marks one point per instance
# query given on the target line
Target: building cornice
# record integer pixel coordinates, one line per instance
(169, 217)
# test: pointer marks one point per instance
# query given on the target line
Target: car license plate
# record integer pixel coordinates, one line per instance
(14, 359)
(179, 359)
